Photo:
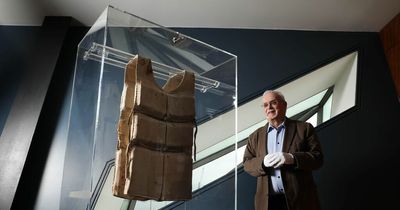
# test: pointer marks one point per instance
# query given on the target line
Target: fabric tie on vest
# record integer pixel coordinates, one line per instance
(155, 135)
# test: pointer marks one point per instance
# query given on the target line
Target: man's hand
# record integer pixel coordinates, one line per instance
(277, 159)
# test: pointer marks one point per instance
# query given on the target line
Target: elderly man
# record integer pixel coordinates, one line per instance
(282, 155)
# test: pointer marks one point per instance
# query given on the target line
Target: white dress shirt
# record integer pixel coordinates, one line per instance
(275, 138)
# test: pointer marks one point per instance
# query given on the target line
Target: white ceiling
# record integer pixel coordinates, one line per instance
(330, 15)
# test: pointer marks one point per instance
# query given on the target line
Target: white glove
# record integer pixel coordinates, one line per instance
(277, 159)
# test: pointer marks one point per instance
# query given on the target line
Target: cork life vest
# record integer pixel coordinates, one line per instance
(155, 135)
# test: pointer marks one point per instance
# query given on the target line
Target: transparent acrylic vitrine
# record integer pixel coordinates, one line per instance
(102, 56)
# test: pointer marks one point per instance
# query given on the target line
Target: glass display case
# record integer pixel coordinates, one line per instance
(114, 39)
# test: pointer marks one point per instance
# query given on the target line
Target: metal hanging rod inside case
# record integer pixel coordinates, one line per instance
(120, 58)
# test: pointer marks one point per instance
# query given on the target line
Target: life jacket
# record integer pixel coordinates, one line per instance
(155, 135)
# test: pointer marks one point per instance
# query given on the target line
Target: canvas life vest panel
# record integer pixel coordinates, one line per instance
(155, 135)
(126, 108)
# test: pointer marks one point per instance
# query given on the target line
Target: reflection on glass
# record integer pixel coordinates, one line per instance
(98, 82)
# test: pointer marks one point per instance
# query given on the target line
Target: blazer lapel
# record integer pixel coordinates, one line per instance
(262, 137)
(290, 130)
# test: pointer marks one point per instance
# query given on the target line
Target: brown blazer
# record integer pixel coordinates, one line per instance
(300, 189)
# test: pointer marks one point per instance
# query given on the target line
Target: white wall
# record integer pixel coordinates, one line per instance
(21, 12)
(344, 94)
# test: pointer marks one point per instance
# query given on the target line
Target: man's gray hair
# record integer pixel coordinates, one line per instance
(279, 94)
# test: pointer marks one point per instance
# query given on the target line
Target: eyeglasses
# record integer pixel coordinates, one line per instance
(271, 103)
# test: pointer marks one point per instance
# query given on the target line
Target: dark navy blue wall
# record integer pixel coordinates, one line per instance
(17, 47)
(269, 58)
(360, 145)
(49, 119)
(16, 44)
